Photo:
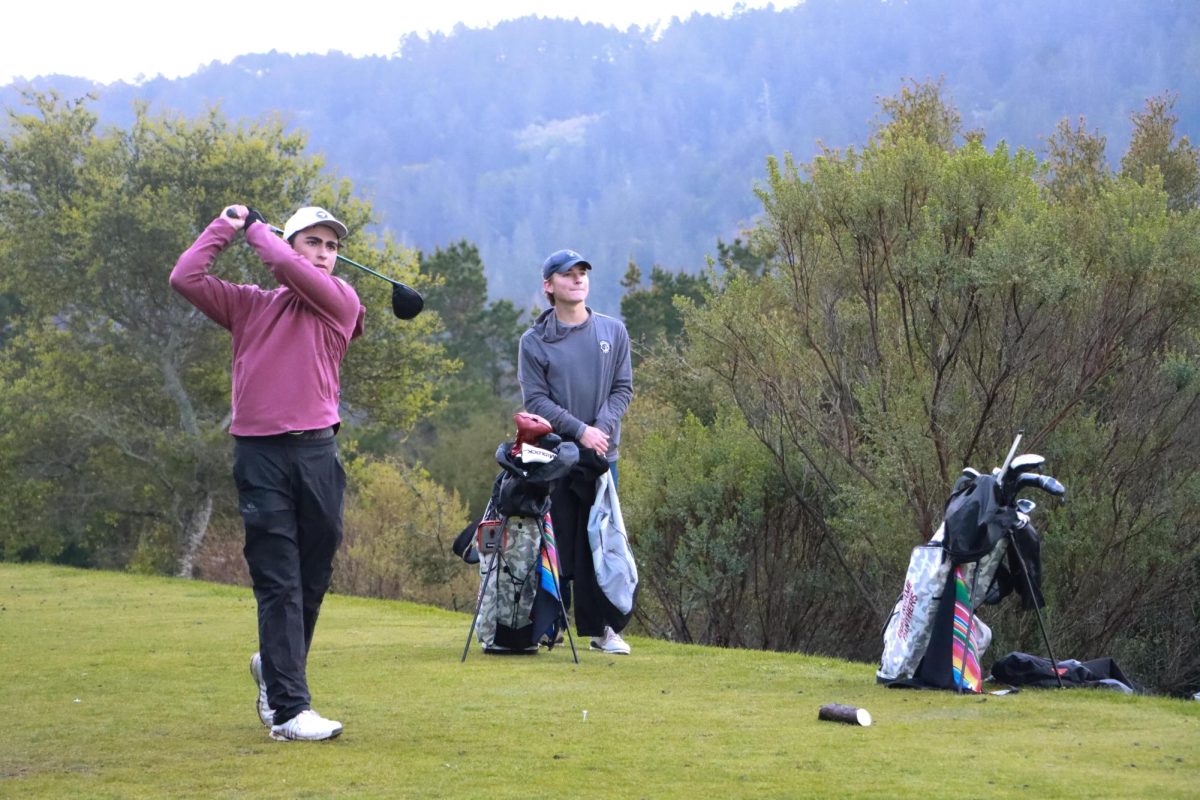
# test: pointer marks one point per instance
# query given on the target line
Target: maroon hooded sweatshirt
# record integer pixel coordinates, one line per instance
(288, 342)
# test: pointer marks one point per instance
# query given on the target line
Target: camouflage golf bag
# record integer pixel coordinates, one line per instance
(508, 584)
(519, 603)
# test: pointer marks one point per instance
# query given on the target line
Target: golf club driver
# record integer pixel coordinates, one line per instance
(1018, 480)
(1027, 462)
(1044, 482)
(406, 301)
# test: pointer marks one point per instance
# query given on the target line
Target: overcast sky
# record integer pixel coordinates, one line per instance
(125, 39)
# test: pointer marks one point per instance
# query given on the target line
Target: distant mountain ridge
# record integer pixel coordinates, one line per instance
(539, 134)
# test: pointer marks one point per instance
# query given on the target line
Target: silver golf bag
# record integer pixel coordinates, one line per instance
(984, 549)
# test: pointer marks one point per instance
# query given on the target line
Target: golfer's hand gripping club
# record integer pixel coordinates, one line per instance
(407, 302)
(231, 212)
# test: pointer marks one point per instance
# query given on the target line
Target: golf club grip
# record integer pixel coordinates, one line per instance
(229, 213)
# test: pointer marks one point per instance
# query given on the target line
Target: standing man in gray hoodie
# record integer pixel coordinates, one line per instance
(575, 371)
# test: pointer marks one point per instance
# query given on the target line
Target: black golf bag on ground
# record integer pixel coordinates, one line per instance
(520, 599)
(1023, 669)
(984, 550)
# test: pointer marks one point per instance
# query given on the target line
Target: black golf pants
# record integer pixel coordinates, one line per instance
(593, 611)
(290, 490)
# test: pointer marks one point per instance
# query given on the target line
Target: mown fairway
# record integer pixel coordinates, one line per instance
(123, 686)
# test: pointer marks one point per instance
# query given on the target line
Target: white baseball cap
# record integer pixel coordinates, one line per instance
(310, 216)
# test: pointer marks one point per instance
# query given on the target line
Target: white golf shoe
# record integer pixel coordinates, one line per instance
(307, 726)
(266, 714)
(611, 642)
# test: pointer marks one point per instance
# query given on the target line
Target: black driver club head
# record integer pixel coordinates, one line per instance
(406, 301)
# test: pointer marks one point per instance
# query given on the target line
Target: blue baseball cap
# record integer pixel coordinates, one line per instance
(560, 261)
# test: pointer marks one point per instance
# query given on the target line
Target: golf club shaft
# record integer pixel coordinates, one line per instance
(341, 257)
(1011, 452)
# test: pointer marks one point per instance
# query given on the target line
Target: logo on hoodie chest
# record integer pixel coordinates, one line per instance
(605, 346)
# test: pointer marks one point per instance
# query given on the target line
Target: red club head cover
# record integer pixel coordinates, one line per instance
(530, 429)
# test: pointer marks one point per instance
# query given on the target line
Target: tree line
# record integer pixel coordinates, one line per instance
(803, 405)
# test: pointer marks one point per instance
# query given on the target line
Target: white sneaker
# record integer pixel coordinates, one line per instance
(266, 714)
(611, 642)
(307, 726)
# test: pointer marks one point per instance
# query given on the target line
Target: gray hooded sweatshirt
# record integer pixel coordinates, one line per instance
(577, 375)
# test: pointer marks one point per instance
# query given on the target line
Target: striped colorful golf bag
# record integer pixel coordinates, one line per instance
(934, 637)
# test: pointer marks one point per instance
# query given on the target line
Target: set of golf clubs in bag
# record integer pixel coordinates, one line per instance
(984, 550)
(520, 605)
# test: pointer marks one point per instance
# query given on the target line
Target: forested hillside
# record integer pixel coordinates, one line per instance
(646, 144)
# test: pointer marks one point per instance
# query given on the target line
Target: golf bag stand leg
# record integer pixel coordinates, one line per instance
(1038, 611)
(566, 620)
(479, 606)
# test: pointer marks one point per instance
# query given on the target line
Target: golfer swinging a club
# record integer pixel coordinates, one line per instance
(288, 346)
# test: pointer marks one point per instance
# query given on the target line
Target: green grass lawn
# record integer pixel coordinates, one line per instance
(114, 685)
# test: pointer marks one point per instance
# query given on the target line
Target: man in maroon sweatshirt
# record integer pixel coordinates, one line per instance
(288, 346)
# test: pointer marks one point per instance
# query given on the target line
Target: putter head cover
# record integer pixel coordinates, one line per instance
(406, 301)
(530, 429)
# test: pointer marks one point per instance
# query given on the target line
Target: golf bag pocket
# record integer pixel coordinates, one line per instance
(509, 583)
(906, 635)
(981, 575)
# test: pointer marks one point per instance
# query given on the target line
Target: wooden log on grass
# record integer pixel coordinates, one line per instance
(839, 712)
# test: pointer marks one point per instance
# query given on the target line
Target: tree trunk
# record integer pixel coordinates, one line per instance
(194, 532)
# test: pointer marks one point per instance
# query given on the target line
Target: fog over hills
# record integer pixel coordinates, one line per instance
(646, 144)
